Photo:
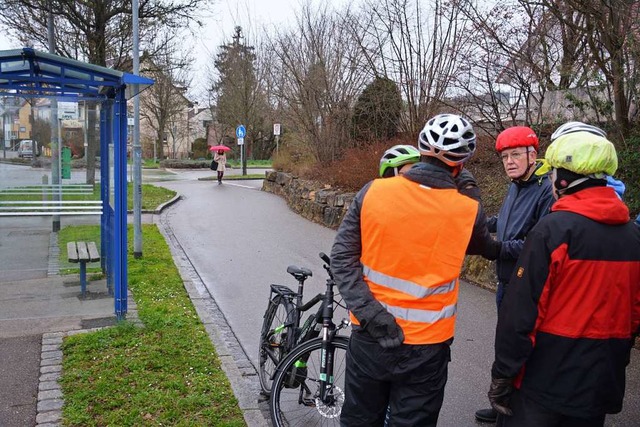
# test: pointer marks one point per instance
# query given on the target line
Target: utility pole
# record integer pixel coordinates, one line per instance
(4, 142)
(55, 142)
(137, 149)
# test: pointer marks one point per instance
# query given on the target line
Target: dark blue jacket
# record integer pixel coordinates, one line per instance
(525, 204)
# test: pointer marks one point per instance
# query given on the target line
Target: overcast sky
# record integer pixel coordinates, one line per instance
(252, 15)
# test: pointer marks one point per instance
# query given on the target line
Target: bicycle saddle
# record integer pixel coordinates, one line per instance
(299, 273)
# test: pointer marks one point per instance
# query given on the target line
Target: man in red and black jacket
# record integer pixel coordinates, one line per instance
(566, 330)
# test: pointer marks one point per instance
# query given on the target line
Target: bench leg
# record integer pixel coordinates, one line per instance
(83, 277)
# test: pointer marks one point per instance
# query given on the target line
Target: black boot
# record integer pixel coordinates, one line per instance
(486, 415)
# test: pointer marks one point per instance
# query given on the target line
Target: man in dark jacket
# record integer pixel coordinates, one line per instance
(396, 260)
(567, 325)
(529, 198)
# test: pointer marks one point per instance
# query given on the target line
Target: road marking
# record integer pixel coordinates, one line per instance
(240, 185)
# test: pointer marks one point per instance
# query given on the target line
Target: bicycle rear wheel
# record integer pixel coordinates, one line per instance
(273, 340)
(295, 396)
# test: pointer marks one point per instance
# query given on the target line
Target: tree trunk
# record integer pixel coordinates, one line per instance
(619, 97)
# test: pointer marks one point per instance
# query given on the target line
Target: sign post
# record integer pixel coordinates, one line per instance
(276, 133)
(241, 132)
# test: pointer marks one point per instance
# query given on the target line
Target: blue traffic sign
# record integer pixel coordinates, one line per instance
(240, 132)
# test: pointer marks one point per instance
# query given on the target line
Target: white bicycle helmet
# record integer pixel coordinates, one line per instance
(571, 127)
(449, 138)
(398, 156)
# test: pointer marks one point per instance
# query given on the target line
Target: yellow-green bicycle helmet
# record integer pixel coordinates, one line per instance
(396, 157)
(583, 153)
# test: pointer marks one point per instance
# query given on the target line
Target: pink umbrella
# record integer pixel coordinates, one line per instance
(219, 147)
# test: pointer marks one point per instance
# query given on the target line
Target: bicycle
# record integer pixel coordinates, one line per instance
(281, 330)
(308, 387)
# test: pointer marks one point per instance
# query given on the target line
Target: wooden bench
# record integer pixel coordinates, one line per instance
(83, 252)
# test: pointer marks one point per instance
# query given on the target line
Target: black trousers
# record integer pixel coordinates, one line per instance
(409, 379)
(528, 413)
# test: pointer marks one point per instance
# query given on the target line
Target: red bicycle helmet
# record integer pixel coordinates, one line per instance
(517, 136)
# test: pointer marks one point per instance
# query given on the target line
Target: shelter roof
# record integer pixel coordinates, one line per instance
(30, 73)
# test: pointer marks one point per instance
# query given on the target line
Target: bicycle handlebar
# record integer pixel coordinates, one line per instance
(325, 258)
(327, 265)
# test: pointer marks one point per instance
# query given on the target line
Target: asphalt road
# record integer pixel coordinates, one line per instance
(240, 240)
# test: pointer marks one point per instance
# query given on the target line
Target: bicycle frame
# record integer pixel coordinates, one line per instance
(307, 376)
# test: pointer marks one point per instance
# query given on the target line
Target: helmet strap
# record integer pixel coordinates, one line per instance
(528, 171)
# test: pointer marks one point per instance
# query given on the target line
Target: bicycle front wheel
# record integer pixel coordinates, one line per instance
(295, 395)
(273, 340)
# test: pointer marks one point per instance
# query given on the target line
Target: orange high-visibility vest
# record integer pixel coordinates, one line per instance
(414, 240)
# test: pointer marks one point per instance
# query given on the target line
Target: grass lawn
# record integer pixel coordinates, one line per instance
(166, 373)
(251, 164)
(152, 196)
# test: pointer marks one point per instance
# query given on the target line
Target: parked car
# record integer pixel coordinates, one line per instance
(27, 148)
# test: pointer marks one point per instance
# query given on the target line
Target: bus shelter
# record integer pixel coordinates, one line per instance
(30, 73)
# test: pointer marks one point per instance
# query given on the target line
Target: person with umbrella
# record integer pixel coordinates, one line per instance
(221, 158)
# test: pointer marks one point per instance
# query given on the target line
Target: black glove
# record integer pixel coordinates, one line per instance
(500, 395)
(384, 328)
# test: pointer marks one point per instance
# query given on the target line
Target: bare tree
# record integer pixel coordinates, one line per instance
(416, 48)
(317, 74)
(164, 106)
(606, 27)
(508, 67)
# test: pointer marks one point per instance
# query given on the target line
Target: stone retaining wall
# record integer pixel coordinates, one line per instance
(314, 201)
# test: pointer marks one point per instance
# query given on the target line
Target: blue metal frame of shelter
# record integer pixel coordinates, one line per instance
(32, 74)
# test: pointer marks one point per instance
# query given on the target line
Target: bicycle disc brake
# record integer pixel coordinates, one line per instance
(333, 409)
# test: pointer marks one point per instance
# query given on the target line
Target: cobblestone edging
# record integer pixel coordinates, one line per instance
(235, 362)
(50, 397)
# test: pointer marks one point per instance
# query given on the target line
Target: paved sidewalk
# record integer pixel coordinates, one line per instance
(36, 306)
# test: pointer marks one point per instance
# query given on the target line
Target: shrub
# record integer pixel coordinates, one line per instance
(294, 158)
(629, 172)
(184, 164)
(377, 110)
(357, 166)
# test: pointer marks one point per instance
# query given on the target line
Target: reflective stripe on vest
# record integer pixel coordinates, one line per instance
(407, 286)
(424, 316)
(414, 240)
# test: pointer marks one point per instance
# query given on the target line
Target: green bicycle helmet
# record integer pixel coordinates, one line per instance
(396, 157)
